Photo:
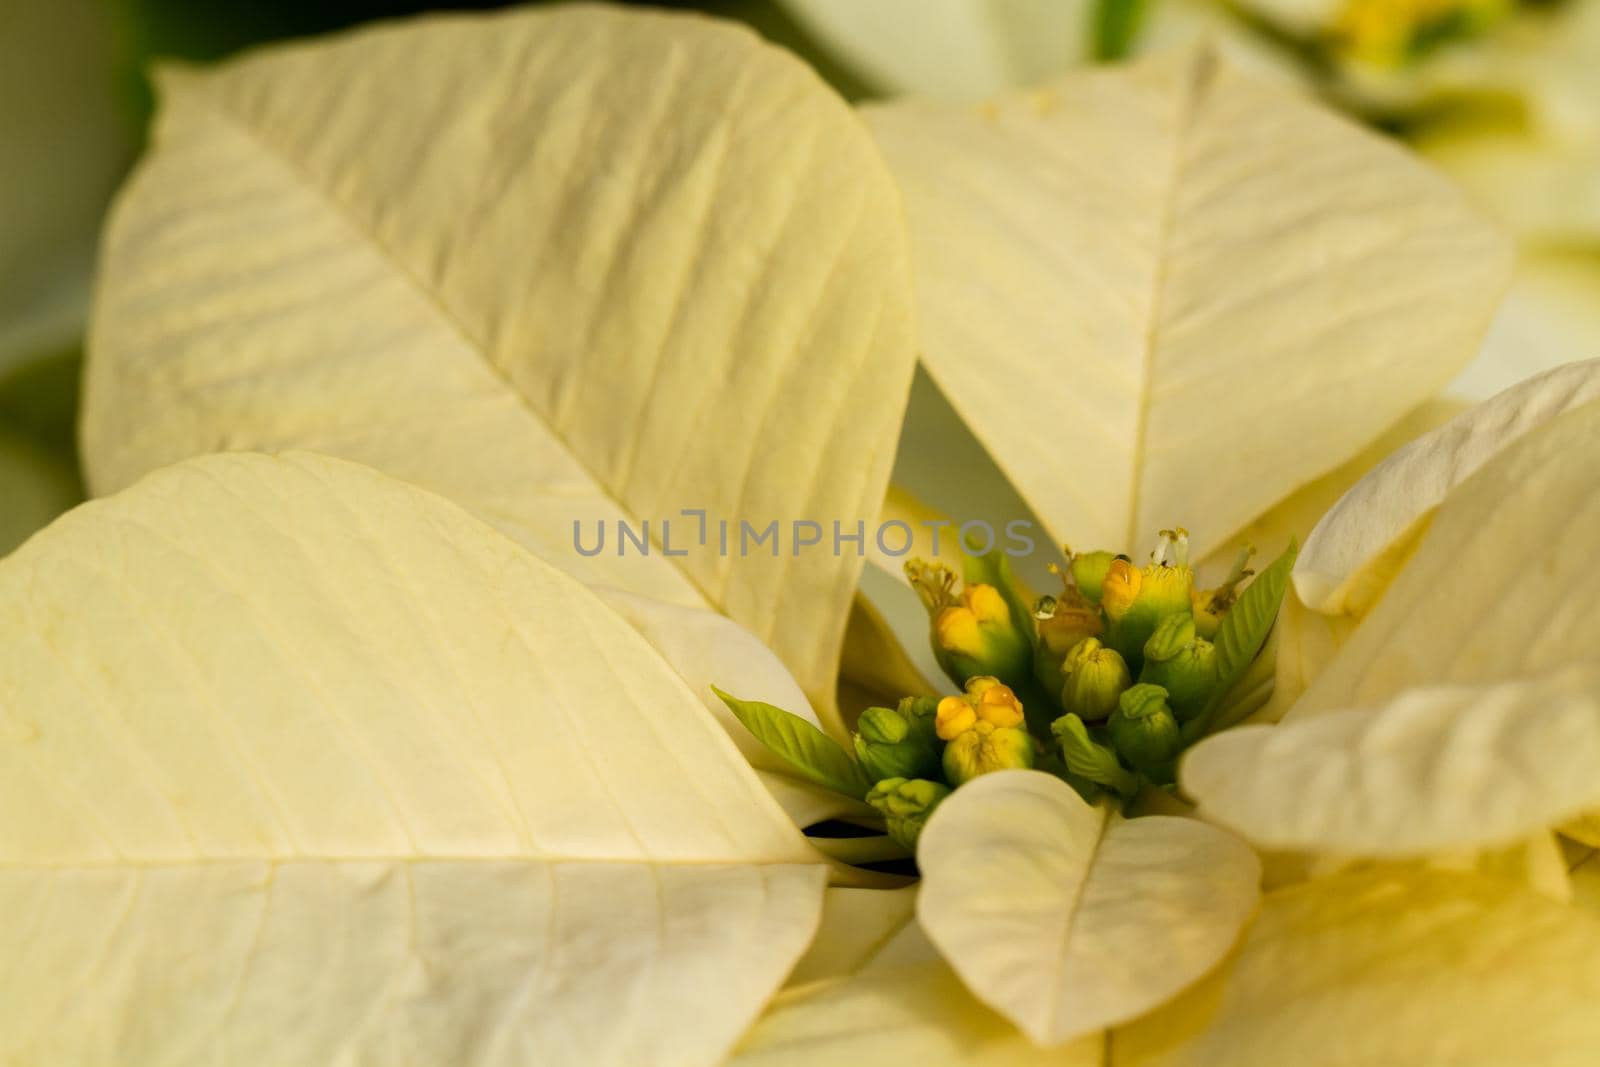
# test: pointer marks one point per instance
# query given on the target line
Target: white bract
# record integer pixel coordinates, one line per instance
(378, 778)
(1067, 918)
(1127, 276)
(362, 753)
(610, 266)
(1463, 708)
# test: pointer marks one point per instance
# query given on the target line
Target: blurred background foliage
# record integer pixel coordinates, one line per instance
(1505, 95)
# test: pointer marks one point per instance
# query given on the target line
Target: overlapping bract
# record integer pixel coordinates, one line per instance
(295, 753)
(609, 265)
(1464, 709)
(1172, 291)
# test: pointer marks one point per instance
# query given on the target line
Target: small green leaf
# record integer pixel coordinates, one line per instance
(1244, 631)
(1087, 759)
(812, 753)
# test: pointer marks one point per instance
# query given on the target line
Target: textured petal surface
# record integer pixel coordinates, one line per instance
(1411, 967)
(1501, 586)
(1464, 709)
(1550, 317)
(857, 926)
(556, 265)
(1380, 513)
(895, 1000)
(1304, 642)
(293, 754)
(1297, 514)
(1169, 293)
(1067, 919)
(707, 649)
(1443, 767)
(917, 1015)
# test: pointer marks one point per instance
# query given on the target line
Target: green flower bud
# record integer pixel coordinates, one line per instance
(985, 748)
(1142, 599)
(1063, 622)
(1172, 635)
(1088, 571)
(883, 726)
(896, 743)
(1182, 664)
(1087, 758)
(1144, 730)
(906, 805)
(975, 633)
(1094, 678)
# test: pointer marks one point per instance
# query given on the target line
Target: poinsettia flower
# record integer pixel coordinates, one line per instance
(583, 264)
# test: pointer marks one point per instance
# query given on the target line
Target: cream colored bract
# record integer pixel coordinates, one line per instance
(1402, 967)
(1376, 523)
(294, 756)
(1171, 293)
(297, 751)
(1067, 918)
(1464, 710)
(610, 264)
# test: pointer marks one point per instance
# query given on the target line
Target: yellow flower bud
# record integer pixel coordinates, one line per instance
(985, 748)
(988, 701)
(975, 633)
(979, 627)
(1164, 589)
(957, 629)
(995, 702)
(1161, 589)
(1095, 677)
(1120, 588)
(955, 717)
(986, 604)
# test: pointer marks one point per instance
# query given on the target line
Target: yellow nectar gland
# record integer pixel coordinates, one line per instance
(987, 705)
